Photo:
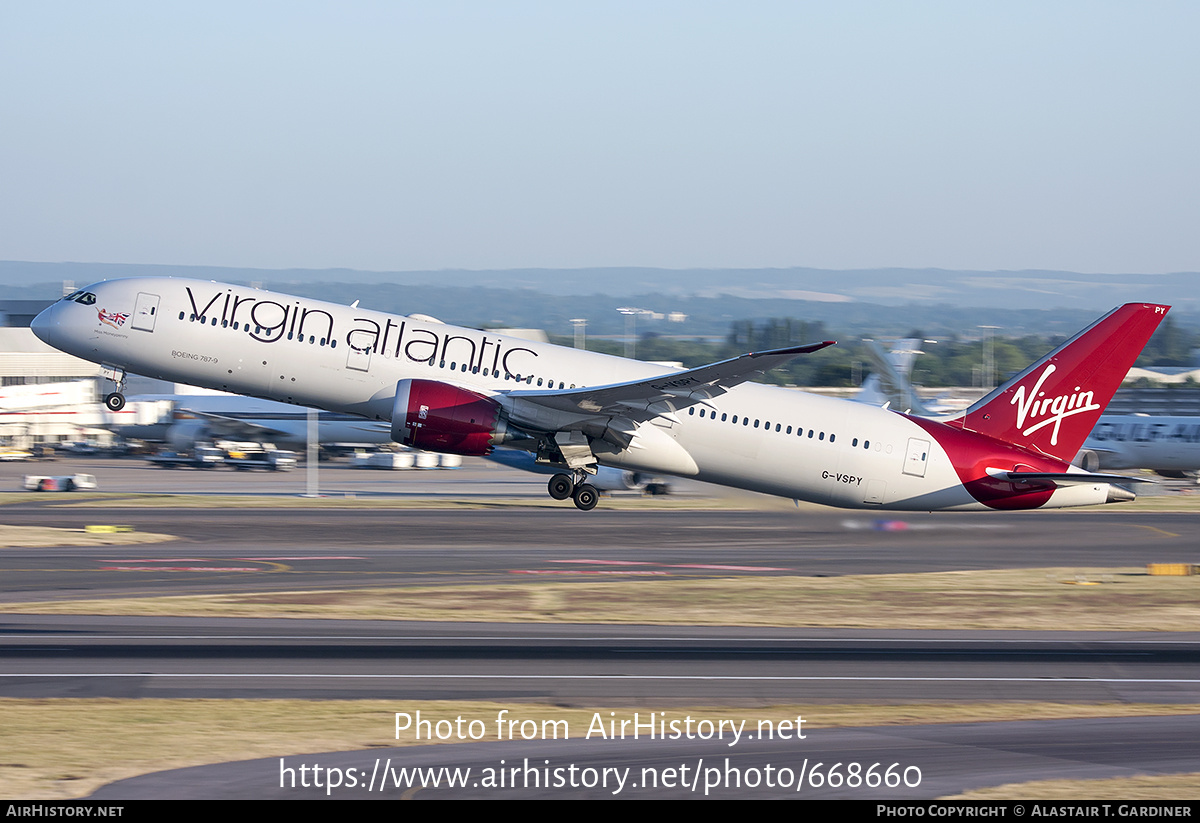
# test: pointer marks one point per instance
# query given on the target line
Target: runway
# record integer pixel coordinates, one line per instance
(91, 656)
(277, 549)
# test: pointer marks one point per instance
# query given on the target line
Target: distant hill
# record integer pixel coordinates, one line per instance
(873, 302)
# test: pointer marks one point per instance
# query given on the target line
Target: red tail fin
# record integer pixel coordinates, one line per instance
(1053, 405)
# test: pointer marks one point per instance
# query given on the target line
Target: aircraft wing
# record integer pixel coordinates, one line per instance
(232, 428)
(666, 392)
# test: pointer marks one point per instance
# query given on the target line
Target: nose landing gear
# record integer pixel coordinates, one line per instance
(114, 401)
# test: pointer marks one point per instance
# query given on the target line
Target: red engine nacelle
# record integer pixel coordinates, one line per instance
(439, 417)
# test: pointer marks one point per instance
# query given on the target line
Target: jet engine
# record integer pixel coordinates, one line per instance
(183, 435)
(440, 417)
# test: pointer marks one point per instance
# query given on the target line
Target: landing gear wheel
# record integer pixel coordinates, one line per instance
(114, 402)
(560, 486)
(586, 497)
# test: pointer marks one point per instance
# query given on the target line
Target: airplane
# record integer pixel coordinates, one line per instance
(888, 381)
(1167, 446)
(464, 391)
(191, 419)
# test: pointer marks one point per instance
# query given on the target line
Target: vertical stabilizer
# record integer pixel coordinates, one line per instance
(1053, 405)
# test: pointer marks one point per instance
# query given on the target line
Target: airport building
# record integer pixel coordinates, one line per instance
(46, 395)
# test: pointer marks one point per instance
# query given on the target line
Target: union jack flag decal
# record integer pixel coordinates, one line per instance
(115, 319)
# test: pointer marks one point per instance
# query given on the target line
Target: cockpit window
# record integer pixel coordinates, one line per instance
(72, 295)
(86, 298)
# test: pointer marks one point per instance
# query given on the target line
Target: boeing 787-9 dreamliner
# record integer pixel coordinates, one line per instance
(464, 391)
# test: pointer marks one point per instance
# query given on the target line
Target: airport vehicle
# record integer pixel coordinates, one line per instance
(59, 483)
(251, 456)
(201, 457)
(1168, 446)
(464, 391)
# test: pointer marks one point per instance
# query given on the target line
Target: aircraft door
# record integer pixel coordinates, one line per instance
(916, 457)
(145, 309)
(359, 344)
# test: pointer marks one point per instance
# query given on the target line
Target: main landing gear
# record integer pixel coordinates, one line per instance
(562, 486)
(114, 402)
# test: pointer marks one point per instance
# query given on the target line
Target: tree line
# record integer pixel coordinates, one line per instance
(946, 362)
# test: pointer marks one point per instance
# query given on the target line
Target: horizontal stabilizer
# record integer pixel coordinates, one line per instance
(1060, 479)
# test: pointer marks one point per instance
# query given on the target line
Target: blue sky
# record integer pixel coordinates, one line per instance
(396, 136)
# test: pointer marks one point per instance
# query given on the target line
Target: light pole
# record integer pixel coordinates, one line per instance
(580, 324)
(989, 357)
(630, 327)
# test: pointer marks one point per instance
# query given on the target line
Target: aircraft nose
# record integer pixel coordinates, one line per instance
(44, 324)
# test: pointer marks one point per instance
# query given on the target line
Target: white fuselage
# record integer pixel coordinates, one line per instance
(348, 359)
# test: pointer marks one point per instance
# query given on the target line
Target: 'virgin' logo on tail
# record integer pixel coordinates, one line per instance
(1058, 407)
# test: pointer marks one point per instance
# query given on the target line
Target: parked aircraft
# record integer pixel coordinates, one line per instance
(465, 391)
(186, 420)
(1168, 446)
(889, 382)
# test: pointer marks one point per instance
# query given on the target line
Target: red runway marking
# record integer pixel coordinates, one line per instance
(678, 565)
(179, 569)
(556, 571)
(309, 557)
(610, 562)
